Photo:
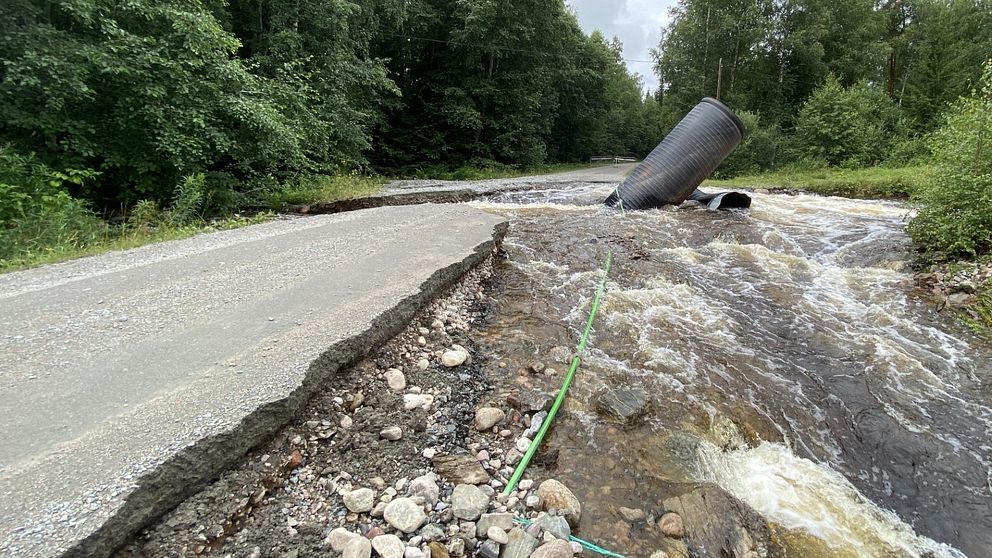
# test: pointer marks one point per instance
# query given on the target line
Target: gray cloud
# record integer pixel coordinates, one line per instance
(637, 23)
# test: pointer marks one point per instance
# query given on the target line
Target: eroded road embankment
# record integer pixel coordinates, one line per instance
(413, 192)
(132, 377)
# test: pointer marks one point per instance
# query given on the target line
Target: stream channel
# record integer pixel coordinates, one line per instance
(782, 353)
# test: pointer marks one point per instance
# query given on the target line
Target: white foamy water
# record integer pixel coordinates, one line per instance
(799, 313)
(800, 494)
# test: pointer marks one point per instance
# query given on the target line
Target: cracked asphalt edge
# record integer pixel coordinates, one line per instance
(191, 468)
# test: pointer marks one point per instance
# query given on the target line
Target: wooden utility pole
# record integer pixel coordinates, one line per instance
(719, 78)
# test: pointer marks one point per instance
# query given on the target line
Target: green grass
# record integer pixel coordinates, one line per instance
(870, 183)
(52, 238)
(324, 189)
(979, 315)
(489, 172)
(102, 238)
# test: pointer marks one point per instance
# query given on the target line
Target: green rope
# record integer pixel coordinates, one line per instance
(585, 544)
(576, 360)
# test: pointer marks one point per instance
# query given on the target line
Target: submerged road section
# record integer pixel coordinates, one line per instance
(410, 192)
(127, 379)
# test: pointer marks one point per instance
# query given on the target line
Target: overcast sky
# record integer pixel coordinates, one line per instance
(638, 23)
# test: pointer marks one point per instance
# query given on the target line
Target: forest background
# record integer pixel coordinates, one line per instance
(124, 120)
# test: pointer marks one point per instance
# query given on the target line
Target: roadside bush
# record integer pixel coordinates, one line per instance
(150, 92)
(911, 151)
(850, 127)
(955, 216)
(37, 214)
(187, 201)
(760, 150)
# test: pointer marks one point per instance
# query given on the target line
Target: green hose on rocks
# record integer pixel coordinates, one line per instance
(585, 544)
(576, 360)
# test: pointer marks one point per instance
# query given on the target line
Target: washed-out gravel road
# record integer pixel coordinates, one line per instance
(127, 379)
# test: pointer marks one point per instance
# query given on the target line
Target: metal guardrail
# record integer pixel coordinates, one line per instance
(612, 159)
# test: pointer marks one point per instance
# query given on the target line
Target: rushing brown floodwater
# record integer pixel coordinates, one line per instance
(865, 418)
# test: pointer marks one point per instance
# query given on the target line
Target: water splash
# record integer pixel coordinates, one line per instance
(800, 494)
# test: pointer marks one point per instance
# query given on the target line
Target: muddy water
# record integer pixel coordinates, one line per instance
(784, 356)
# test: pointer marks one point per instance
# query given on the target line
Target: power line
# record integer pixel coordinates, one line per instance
(507, 49)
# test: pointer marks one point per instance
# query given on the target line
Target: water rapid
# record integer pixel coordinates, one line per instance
(783, 355)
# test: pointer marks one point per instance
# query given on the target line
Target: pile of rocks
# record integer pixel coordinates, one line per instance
(957, 285)
(427, 517)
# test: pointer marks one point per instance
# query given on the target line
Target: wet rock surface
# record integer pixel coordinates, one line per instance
(363, 472)
(717, 522)
(625, 405)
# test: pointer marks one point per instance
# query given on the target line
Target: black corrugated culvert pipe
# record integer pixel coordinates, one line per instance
(688, 154)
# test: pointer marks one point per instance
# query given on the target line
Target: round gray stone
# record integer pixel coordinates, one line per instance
(404, 514)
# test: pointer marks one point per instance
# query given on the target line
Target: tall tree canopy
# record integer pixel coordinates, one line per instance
(252, 93)
(142, 93)
(924, 53)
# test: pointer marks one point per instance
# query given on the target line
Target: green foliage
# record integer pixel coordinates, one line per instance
(870, 183)
(205, 107)
(187, 202)
(505, 83)
(145, 216)
(847, 126)
(41, 223)
(326, 188)
(778, 57)
(939, 48)
(955, 216)
(760, 150)
(979, 315)
(149, 92)
(907, 151)
(37, 214)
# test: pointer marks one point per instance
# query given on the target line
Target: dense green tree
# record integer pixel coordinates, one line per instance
(144, 93)
(852, 127)
(768, 55)
(503, 82)
(921, 54)
(322, 47)
(251, 94)
(956, 214)
(946, 44)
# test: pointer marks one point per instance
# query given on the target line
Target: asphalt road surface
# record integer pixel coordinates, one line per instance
(128, 377)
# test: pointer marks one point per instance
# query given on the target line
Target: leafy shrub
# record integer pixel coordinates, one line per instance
(187, 201)
(145, 216)
(955, 216)
(150, 92)
(37, 214)
(759, 151)
(908, 151)
(851, 127)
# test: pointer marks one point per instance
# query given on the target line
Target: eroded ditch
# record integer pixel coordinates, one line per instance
(769, 375)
